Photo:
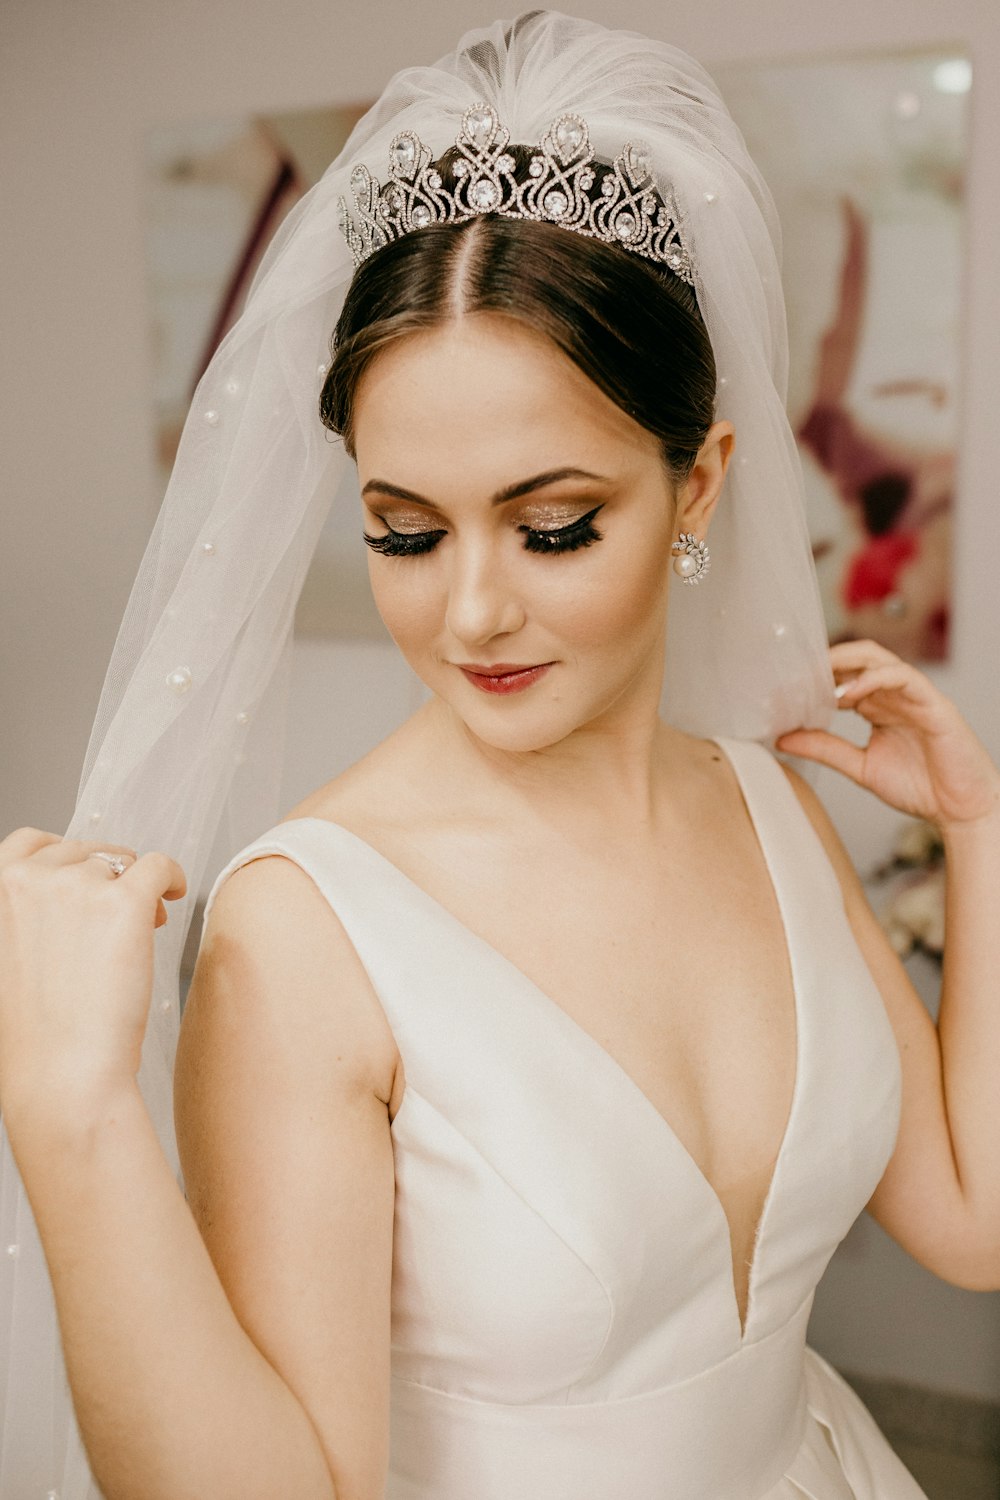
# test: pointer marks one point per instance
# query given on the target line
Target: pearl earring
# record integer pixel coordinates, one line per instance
(692, 563)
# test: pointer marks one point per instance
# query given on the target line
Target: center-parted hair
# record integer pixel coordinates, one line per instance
(631, 326)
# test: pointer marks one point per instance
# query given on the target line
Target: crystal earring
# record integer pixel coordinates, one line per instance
(692, 561)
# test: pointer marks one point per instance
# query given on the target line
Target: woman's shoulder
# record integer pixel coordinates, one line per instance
(274, 950)
(269, 899)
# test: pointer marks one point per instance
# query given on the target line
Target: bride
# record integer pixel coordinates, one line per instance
(533, 1068)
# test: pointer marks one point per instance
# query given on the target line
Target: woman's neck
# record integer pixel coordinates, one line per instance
(614, 771)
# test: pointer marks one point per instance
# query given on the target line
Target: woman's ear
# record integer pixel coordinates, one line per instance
(699, 495)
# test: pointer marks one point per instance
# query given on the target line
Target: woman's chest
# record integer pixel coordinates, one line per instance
(615, 1041)
(679, 969)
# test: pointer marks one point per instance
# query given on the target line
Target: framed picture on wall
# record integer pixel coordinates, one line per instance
(865, 158)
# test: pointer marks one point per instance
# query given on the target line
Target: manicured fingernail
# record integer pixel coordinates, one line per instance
(840, 689)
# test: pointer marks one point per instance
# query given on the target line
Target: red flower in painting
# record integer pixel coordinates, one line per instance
(872, 574)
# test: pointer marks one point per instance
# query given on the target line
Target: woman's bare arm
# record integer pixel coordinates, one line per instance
(284, 1073)
(940, 1193)
(254, 1365)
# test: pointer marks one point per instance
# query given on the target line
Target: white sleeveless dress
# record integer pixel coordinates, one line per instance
(564, 1319)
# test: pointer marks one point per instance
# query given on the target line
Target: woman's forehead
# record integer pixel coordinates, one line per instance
(489, 392)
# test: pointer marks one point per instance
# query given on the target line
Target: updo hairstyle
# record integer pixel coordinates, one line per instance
(630, 324)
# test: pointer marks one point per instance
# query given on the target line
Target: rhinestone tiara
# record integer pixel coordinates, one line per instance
(629, 211)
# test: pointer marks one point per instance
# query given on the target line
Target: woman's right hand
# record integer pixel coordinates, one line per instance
(76, 962)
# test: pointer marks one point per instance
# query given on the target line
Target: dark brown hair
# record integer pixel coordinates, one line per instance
(631, 325)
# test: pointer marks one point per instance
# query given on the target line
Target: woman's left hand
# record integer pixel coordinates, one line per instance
(922, 757)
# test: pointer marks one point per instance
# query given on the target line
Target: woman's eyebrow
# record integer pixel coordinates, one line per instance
(509, 492)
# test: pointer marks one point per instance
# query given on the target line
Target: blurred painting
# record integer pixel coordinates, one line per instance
(865, 159)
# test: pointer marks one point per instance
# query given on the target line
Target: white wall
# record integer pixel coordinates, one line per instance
(80, 83)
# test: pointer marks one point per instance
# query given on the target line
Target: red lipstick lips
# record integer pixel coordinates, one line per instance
(504, 677)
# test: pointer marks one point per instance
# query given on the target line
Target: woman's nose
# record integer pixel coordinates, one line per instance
(482, 602)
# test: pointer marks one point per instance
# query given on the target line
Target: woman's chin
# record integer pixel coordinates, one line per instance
(521, 727)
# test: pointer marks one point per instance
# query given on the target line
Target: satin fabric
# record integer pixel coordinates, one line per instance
(564, 1318)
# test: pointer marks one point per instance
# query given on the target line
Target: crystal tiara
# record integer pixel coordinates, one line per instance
(629, 211)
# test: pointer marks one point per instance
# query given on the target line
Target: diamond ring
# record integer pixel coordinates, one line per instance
(115, 861)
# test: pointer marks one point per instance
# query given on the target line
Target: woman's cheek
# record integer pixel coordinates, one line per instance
(610, 602)
(410, 607)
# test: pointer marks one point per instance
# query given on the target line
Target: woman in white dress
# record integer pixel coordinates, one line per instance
(533, 1068)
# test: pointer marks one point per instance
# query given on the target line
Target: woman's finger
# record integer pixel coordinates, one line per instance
(828, 749)
(848, 654)
(24, 841)
(158, 875)
(161, 875)
(73, 851)
(898, 688)
(873, 679)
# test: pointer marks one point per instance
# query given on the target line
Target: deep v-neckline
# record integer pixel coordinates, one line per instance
(549, 1005)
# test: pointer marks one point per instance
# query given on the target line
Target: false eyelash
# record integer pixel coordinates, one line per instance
(403, 543)
(579, 533)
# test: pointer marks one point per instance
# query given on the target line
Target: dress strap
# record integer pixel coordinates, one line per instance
(792, 848)
(272, 841)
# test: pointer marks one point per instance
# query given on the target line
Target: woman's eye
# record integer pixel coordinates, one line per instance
(579, 533)
(403, 543)
(564, 538)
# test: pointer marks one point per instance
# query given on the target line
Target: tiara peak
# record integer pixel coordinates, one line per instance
(629, 211)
